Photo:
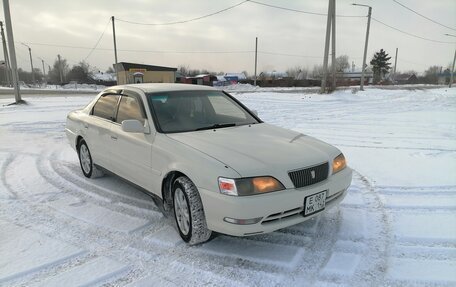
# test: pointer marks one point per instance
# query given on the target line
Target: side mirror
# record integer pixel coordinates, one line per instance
(255, 112)
(132, 126)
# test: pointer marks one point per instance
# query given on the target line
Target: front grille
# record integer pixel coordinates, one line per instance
(310, 175)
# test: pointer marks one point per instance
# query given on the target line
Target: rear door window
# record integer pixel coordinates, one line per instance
(105, 107)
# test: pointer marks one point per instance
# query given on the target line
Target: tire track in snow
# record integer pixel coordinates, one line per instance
(362, 245)
(412, 247)
(88, 194)
(9, 192)
(381, 242)
(50, 222)
(119, 190)
(23, 179)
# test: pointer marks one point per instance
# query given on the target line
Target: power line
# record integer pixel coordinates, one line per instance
(410, 62)
(185, 52)
(176, 52)
(287, 9)
(288, 55)
(139, 51)
(300, 11)
(184, 21)
(64, 46)
(410, 34)
(99, 39)
(232, 7)
(425, 17)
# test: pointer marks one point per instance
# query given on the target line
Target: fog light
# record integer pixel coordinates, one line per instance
(242, 221)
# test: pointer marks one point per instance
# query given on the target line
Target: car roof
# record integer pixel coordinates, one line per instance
(164, 87)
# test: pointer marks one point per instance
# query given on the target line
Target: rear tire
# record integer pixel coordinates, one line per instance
(189, 213)
(85, 160)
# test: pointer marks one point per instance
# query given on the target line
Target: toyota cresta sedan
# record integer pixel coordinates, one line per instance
(207, 158)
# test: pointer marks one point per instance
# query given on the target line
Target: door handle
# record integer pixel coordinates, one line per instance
(114, 138)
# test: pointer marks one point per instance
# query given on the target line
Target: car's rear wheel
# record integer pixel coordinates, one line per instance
(189, 213)
(85, 160)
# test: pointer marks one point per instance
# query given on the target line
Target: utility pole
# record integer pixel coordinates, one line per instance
(44, 71)
(395, 64)
(9, 32)
(60, 69)
(31, 65)
(325, 58)
(454, 60)
(5, 53)
(256, 59)
(31, 62)
(452, 70)
(115, 48)
(363, 68)
(333, 46)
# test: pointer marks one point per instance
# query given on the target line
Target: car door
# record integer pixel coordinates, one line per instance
(98, 128)
(132, 156)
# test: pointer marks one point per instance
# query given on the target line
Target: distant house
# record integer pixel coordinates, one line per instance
(132, 73)
(443, 78)
(203, 79)
(221, 81)
(180, 78)
(234, 78)
(354, 78)
(273, 75)
(403, 79)
(107, 79)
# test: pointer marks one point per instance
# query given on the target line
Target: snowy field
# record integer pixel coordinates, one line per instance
(396, 227)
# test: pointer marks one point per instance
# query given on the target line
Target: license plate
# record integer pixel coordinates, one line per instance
(314, 203)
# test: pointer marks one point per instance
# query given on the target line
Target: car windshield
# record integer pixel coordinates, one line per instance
(183, 111)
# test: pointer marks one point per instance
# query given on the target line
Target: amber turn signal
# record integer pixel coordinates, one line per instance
(339, 163)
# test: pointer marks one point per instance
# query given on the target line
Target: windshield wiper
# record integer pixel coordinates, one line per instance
(216, 126)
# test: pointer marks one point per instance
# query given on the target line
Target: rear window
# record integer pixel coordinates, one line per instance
(105, 107)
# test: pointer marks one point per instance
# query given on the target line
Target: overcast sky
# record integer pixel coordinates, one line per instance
(231, 34)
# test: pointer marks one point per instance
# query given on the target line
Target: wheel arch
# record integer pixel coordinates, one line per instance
(166, 189)
(79, 138)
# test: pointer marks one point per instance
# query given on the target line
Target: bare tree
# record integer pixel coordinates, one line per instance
(317, 71)
(342, 63)
(431, 74)
(54, 73)
(184, 70)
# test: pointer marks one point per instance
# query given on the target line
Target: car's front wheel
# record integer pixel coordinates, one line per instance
(189, 213)
(85, 159)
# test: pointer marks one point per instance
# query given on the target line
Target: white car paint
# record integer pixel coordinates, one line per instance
(146, 159)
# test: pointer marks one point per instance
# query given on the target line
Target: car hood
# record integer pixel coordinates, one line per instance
(259, 149)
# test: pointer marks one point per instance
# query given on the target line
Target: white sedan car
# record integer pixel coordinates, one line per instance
(207, 157)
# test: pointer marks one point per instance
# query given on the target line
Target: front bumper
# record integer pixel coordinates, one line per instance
(277, 210)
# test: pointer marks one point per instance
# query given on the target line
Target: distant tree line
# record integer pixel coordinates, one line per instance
(60, 73)
(380, 65)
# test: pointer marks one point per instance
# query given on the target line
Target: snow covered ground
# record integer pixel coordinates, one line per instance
(396, 227)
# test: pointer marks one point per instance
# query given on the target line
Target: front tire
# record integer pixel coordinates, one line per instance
(189, 213)
(85, 160)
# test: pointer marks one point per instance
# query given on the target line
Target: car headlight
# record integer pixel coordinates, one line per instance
(339, 163)
(249, 186)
